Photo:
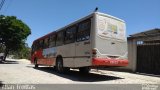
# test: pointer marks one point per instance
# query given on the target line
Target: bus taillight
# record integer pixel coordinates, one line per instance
(94, 52)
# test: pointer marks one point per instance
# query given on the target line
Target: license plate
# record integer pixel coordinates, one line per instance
(113, 62)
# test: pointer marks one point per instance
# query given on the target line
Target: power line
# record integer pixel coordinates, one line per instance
(7, 4)
(1, 5)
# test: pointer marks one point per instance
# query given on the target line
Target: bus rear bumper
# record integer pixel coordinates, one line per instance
(109, 62)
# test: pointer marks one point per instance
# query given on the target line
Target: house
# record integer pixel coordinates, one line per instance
(144, 52)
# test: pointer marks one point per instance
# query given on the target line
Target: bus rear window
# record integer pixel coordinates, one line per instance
(84, 30)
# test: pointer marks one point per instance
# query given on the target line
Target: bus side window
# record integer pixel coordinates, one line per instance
(70, 35)
(33, 49)
(60, 38)
(35, 46)
(52, 41)
(41, 44)
(46, 43)
(83, 32)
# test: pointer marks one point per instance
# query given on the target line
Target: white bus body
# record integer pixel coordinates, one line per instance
(105, 46)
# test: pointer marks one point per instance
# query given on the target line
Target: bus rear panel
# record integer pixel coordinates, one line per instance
(110, 45)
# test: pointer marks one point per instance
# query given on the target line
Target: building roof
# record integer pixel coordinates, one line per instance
(152, 32)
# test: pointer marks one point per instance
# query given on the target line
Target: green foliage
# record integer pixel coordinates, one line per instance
(13, 33)
(2, 48)
(24, 53)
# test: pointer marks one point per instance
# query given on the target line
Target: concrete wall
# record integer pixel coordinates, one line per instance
(132, 54)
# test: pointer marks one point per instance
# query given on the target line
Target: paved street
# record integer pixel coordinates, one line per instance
(22, 72)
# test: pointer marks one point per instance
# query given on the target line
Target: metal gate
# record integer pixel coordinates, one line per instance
(148, 57)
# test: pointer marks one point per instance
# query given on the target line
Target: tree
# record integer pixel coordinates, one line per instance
(2, 47)
(13, 33)
(24, 53)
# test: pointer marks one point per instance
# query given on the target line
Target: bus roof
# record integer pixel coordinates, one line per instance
(109, 16)
(77, 21)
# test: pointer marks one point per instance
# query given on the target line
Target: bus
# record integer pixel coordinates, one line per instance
(97, 40)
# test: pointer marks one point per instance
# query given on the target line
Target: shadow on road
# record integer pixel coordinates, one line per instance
(8, 62)
(1, 84)
(77, 76)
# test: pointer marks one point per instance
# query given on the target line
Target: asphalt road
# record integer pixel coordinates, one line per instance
(22, 72)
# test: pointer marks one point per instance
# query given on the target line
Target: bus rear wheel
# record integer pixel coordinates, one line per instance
(84, 69)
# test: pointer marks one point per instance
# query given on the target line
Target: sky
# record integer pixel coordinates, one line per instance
(45, 16)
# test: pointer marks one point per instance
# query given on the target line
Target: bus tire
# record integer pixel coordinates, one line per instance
(35, 63)
(59, 65)
(84, 69)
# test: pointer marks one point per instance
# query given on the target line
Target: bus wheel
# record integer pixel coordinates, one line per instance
(59, 65)
(35, 63)
(84, 69)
